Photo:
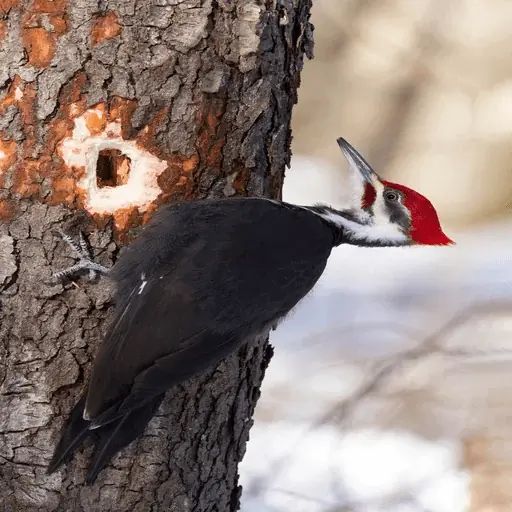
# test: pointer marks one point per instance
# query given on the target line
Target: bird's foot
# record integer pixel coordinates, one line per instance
(85, 263)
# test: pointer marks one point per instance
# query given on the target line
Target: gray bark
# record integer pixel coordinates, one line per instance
(203, 88)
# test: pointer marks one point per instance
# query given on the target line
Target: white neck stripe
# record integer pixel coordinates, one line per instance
(369, 229)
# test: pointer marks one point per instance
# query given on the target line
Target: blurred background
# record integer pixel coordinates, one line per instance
(391, 386)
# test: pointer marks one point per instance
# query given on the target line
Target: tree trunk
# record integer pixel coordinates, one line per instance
(109, 109)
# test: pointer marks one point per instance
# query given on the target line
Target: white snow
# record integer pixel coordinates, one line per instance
(369, 469)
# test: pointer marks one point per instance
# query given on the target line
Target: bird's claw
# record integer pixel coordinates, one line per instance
(85, 259)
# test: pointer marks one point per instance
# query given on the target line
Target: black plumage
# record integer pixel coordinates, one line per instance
(201, 279)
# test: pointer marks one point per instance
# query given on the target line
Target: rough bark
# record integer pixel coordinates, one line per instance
(184, 99)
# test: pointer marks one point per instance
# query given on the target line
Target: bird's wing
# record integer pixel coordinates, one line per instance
(231, 280)
(160, 331)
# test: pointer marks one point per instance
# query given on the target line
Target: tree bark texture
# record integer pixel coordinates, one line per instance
(107, 110)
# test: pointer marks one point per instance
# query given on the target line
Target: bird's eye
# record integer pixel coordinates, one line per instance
(391, 196)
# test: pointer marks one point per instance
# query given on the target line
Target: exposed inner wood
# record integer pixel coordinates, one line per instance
(112, 168)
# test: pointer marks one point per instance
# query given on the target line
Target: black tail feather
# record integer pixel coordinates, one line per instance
(110, 438)
(117, 434)
(74, 432)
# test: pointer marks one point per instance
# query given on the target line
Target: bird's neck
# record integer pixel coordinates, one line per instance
(357, 227)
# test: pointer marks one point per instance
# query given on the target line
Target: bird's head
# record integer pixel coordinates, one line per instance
(388, 213)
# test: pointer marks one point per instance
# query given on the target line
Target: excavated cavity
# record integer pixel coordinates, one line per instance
(112, 168)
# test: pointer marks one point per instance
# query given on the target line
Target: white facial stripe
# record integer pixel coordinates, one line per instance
(371, 231)
(379, 205)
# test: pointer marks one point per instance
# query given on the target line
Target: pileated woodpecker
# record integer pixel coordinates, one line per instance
(203, 277)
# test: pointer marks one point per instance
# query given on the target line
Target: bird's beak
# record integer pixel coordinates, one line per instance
(365, 182)
(357, 163)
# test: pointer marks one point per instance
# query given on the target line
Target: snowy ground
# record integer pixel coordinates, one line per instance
(366, 470)
(336, 430)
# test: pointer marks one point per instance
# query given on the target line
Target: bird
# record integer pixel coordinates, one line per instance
(206, 276)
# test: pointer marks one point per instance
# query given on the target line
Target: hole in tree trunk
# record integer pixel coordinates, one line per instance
(112, 168)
